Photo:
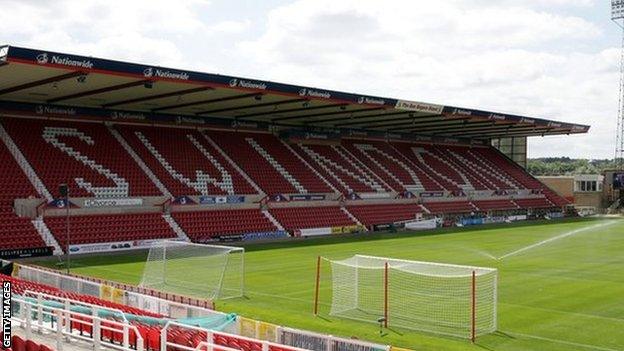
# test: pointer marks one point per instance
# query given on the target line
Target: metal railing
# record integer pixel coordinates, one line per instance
(35, 316)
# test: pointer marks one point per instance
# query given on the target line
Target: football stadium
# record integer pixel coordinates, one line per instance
(155, 208)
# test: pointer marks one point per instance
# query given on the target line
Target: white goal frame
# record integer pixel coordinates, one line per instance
(438, 298)
(161, 272)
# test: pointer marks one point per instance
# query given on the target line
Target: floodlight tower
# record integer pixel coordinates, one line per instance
(617, 16)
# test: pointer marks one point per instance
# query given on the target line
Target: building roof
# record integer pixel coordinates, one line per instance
(56, 79)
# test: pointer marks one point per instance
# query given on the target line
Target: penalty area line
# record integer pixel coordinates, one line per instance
(563, 342)
(560, 236)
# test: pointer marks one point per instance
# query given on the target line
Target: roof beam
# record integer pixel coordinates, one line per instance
(393, 122)
(467, 127)
(432, 127)
(500, 131)
(357, 119)
(328, 114)
(204, 102)
(292, 110)
(158, 96)
(275, 103)
(503, 133)
(42, 82)
(99, 91)
(410, 125)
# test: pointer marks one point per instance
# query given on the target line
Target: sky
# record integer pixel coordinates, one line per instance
(554, 59)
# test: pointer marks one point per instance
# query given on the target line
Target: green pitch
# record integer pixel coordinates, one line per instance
(561, 284)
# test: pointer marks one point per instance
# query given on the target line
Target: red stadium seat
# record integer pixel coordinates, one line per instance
(204, 225)
(55, 166)
(293, 218)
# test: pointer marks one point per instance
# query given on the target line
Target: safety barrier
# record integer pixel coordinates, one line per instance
(36, 316)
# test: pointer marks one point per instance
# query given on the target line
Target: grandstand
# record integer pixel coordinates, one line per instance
(152, 153)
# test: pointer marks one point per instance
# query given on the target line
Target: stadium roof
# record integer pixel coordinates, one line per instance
(50, 78)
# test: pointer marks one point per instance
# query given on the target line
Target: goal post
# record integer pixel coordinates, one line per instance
(207, 271)
(426, 296)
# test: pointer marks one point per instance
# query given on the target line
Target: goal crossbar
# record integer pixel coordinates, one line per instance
(397, 263)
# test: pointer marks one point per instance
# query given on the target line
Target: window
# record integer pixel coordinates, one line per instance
(587, 185)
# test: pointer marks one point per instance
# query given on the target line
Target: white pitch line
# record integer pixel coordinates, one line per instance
(563, 342)
(560, 236)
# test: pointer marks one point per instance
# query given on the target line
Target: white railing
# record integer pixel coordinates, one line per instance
(207, 346)
(212, 335)
(57, 323)
(130, 298)
(295, 339)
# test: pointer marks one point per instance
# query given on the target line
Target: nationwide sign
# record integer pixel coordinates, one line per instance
(163, 73)
(44, 58)
(248, 84)
(54, 110)
(371, 100)
(314, 93)
(127, 116)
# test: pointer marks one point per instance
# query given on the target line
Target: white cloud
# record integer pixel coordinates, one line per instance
(533, 57)
(468, 53)
(138, 30)
(230, 26)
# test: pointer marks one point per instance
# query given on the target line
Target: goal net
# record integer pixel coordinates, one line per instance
(207, 271)
(432, 297)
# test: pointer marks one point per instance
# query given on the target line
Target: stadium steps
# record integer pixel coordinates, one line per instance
(505, 165)
(277, 166)
(46, 235)
(534, 203)
(415, 187)
(293, 218)
(270, 217)
(495, 205)
(321, 161)
(233, 164)
(467, 184)
(24, 165)
(477, 181)
(364, 182)
(495, 179)
(418, 153)
(449, 207)
(378, 170)
(385, 213)
(202, 179)
(330, 185)
(353, 218)
(355, 162)
(176, 228)
(429, 182)
(493, 169)
(140, 162)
